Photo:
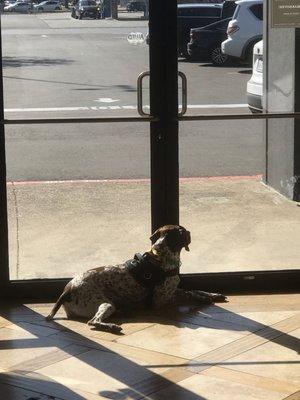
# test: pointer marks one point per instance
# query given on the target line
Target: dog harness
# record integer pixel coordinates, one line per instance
(146, 270)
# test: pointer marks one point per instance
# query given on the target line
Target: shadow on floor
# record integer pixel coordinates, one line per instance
(134, 389)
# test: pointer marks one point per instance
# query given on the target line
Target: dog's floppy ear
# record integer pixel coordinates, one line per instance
(155, 236)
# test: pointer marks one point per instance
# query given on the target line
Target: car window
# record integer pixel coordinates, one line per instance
(88, 3)
(257, 10)
(199, 12)
(236, 12)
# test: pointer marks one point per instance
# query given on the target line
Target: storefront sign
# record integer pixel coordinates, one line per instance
(285, 13)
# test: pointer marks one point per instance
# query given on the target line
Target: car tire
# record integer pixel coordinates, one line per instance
(40, 9)
(79, 16)
(218, 58)
(56, 9)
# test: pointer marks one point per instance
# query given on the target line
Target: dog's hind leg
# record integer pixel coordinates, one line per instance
(105, 310)
(65, 296)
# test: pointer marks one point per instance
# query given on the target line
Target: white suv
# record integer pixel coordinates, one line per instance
(244, 30)
(255, 84)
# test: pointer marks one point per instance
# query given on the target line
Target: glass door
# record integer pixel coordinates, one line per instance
(76, 162)
(238, 141)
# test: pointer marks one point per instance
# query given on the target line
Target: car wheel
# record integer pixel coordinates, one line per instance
(40, 9)
(79, 16)
(217, 57)
(56, 9)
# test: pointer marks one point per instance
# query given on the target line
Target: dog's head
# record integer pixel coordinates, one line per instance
(174, 237)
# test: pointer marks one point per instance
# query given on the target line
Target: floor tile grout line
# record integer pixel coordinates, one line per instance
(35, 324)
(58, 351)
(107, 350)
(292, 396)
(251, 374)
(169, 383)
(131, 333)
(265, 340)
(253, 334)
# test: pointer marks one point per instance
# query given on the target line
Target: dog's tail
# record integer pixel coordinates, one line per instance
(65, 296)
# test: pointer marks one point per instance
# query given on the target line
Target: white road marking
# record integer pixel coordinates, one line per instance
(114, 107)
(98, 108)
(129, 107)
(217, 105)
(137, 180)
(106, 100)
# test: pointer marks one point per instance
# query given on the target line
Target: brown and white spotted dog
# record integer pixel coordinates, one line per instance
(150, 279)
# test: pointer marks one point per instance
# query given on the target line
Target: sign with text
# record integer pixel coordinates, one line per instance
(285, 13)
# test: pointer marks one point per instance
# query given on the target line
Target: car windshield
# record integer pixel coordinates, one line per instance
(88, 3)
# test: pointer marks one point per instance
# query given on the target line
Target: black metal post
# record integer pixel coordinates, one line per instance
(4, 272)
(164, 107)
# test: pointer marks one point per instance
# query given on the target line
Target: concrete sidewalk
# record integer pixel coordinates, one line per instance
(57, 229)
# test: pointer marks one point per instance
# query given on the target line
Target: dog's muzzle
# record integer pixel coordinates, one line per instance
(187, 240)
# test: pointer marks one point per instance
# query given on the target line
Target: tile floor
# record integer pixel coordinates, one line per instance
(246, 349)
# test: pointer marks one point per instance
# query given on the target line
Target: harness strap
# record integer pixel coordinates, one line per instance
(146, 270)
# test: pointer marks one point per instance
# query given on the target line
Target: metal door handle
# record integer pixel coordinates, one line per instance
(184, 94)
(140, 93)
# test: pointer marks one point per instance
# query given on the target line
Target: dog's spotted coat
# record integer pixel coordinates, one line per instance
(99, 292)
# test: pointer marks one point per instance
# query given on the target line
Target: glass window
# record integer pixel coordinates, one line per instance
(78, 196)
(257, 10)
(236, 12)
(199, 12)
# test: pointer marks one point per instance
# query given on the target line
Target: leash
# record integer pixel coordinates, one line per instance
(146, 270)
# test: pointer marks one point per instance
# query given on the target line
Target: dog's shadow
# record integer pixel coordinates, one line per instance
(187, 315)
(181, 315)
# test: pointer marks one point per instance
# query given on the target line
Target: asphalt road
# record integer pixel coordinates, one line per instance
(55, 66)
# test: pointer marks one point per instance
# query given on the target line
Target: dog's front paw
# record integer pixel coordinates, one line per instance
(106, 327)
(218, 298)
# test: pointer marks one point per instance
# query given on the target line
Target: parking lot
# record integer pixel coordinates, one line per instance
(62, 67)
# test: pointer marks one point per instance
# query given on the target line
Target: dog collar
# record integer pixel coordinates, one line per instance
(147, 271)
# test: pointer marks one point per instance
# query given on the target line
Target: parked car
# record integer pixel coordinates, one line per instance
(135, 5)
(205, 43)
(21, 7)
(193, 16)
(255, 84)
(85, 8)
(244, 30)
(48, 5)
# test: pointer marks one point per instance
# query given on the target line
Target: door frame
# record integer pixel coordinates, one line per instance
(164, 150)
